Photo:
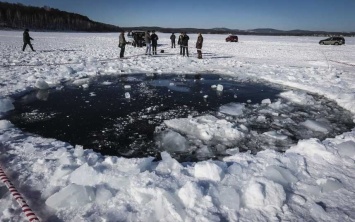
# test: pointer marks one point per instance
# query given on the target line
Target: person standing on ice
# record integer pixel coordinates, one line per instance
(27, 40)
(148, 40)
(185, 44)
(122, 44)
(154, 38)
(172, 38)
(199, 45)
(180, 42)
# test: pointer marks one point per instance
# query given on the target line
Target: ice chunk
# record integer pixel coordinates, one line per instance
(168, 164)
(41, 84)
(107, 83)
(206, 128)
(276, 135)
(127, 95)
(205, 96)
(85, 86)
(78, 151)
(233, 109)
(298, 97)
(167, 207)
(102, 195)
(316, 126)
(262, 193)
(214, 86)
(6, 105)
(261, 119)
(62, 171)
(329, 185)
(347, 149)
(5, 124)
(80, 82)
(266, 101)
(208, 171)
(42, 95)
(72, 195)
(173, 142)
(189, 194)
(227, 197)
(67, 70)
(280, 175)
(127, 87)
(219, 87)
(85, 175)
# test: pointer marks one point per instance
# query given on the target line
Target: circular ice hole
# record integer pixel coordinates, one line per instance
(182, 114)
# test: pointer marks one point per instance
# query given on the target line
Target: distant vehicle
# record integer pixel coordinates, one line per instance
(137, 38)
(232, 38)
(332, 41)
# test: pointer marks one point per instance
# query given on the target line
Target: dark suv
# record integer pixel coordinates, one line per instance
(333, 41)
(232, 38)
(137, 38)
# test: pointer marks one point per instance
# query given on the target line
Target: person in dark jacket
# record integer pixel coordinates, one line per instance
(135, 38)
(27, 40)
(122, 44)
(172, 38)
(199, 46)
(179, 42)
(185, 44)
(154, 38)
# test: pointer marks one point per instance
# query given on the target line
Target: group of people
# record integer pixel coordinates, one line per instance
(183, 41)
(151, 41)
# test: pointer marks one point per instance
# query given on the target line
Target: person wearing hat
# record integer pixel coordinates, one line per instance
(122, 44)
(154, 38)
(172, 38)
(199, 45)
(185, 44)
(27, 40)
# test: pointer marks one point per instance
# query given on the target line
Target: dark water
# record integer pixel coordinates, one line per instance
(101, 118)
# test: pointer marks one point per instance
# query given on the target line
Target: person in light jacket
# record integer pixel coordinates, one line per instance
(199, 46)
(148, 40)
(180, 42)
(27, 40)
(122, 44)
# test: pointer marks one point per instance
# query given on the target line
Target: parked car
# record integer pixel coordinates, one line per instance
(232, 38)
(333, 41)
(137, 38)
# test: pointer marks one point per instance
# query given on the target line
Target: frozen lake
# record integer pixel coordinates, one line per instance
(312, 180)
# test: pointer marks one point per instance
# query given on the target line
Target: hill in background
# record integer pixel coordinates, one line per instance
(18, 16)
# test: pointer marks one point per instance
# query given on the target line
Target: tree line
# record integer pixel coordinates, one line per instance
(19, 16)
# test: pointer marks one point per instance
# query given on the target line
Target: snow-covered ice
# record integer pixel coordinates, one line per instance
(311, 181)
